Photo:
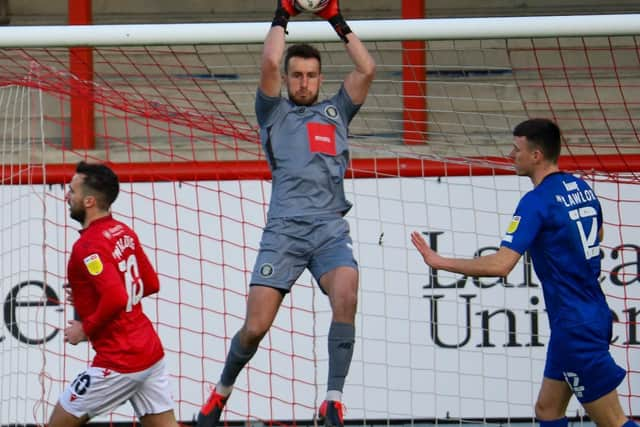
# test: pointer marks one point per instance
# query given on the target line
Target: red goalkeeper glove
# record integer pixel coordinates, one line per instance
(331, 12)
(284, 11)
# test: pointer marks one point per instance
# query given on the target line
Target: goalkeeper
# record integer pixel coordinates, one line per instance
(306, 145)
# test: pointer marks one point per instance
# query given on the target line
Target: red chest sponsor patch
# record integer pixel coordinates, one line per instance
(322, 138)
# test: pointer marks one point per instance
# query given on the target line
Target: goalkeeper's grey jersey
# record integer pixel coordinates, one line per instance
(307, 150)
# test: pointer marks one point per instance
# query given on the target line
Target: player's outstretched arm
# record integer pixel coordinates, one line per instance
(498, 264)
(357, 82)
(273, 49)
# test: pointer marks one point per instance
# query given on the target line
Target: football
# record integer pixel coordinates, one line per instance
(311, 5)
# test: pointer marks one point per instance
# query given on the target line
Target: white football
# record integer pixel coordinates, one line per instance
(311, 5)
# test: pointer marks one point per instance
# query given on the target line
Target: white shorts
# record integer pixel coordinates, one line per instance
(98, 390)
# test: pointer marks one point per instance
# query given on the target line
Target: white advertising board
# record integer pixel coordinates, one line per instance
(427, 345)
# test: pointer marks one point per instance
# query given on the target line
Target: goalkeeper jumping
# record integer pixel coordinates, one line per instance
(306, 145)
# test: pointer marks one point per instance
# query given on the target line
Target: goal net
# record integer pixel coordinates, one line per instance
(429, 153)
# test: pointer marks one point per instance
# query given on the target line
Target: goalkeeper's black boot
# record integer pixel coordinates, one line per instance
(209, 415)
(330, 413)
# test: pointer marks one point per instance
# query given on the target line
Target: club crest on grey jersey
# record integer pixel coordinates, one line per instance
(331, 112)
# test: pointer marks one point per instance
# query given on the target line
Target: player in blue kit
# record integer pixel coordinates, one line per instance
(306, 145)
(560, 223)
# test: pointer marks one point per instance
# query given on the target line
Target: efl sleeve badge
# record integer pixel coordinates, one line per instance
(513, 226)
(93, 264)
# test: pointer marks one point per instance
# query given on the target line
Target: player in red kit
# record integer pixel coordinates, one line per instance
(109, 274)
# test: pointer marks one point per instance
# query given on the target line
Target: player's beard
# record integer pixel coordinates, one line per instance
(303, 102)
(77, 214)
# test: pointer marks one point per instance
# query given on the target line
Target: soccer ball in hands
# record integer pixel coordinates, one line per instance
(311, 5)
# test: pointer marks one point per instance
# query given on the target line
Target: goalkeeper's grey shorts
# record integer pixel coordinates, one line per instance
(289, 245)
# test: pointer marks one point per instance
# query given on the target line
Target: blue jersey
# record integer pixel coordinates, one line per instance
(307, 150)
(558, 222)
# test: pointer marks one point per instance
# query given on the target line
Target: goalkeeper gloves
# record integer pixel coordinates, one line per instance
(284, 11)
(331, 13)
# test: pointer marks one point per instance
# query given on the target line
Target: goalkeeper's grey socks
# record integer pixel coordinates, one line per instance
(236, 359)
(341, 340)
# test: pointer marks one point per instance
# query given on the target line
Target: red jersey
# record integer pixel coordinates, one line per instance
(109, 273)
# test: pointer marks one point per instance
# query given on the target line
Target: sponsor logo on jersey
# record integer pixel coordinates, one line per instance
(322, 138)
(93, 264)
(513, 226)
(73, 397)
(116, 230)
(266, 270)
(331, 111)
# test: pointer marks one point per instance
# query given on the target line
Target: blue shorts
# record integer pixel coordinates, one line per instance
(580, 356)
(289, 245)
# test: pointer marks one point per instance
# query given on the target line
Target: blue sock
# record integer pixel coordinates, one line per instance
(560, 422)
